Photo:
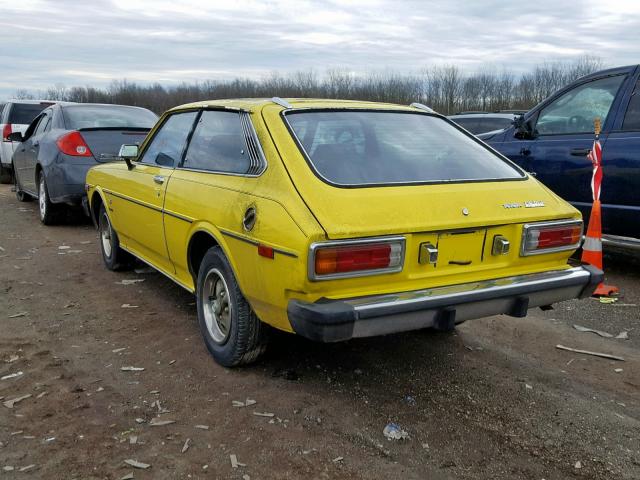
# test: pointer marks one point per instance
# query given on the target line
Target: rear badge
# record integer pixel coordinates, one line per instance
(527, 204)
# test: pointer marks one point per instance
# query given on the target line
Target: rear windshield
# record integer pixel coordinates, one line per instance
(478, 125)
(24, 113)
(84, 116)
(352, 148)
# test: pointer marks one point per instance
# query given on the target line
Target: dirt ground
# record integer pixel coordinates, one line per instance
(496, 399)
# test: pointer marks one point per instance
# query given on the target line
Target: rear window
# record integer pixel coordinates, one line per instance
(355, 148)
(83, 116)
(24, 113)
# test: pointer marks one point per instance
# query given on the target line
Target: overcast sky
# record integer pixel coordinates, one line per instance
(92, 42)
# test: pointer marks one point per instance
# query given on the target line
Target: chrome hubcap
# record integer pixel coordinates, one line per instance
(105, 235)
(216, 306)
(42, 202)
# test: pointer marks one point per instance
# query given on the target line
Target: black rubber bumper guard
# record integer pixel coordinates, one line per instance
(329, 320)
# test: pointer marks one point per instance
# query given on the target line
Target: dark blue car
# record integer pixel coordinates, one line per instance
(554, 138)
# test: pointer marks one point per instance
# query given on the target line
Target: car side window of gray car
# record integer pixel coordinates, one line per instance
(168, 143)
(632, 117)
(43, 124)
(218, 144)
(575, 111)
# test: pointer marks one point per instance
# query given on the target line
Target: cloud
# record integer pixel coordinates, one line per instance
(92, 43)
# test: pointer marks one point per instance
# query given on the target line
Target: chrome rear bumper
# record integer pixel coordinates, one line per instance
(441, 307)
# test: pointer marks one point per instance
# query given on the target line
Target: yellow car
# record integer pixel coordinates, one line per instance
(334, 220)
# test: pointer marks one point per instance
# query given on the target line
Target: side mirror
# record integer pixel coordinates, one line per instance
(524, 128)
(15, 137)
(128, 152)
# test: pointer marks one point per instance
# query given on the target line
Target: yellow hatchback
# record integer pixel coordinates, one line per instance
(334, 220)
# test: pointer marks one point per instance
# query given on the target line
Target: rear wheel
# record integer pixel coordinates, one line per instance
(20, 195)
(232, 332)
(115, 258)
(49, 212)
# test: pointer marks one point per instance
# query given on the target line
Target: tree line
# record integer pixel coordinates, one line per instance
(445, 88)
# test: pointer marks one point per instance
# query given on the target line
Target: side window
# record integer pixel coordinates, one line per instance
(167, 145)
(575, 111)
(632, 117)
(218, 144)
(43, 124)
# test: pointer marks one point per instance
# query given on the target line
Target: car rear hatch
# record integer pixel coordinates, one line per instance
(461, 219)
(105, 143)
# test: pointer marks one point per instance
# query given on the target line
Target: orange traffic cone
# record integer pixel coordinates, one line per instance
(592, 248)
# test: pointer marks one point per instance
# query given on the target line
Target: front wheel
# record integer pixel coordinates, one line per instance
(232, 332)
(115, 258)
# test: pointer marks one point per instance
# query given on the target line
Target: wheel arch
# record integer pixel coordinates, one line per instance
(95, 201)
(200, 241)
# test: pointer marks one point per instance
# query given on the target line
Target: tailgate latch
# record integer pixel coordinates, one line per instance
(428, 254)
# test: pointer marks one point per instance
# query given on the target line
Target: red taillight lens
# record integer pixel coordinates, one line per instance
(353, 259)
(73, 144)
(6, 131)
(551, 236)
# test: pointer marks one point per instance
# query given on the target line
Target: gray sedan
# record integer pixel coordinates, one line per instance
(63, 142)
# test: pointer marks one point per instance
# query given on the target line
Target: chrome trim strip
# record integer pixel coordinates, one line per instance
(178, 216)
(622, 242)
(256, 243)
(133, 200)
(311, 261)
(527, 226)
(494, 288)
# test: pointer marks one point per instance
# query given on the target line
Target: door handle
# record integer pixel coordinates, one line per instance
(35, 144)
(580, 152)
(159, 179)
(525, 152)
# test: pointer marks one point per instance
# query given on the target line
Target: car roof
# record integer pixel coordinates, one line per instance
(254, 104)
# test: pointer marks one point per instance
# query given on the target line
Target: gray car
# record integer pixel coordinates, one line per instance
(63, 143)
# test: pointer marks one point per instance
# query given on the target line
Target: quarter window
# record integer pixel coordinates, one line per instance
(218, 144)
(576, 110)
(632, 117)
(167, 145)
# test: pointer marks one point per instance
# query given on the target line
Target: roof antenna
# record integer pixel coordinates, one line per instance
(281, 102)
(422, 107)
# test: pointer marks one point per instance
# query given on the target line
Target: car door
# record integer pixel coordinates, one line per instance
(22, 157)
(564, 135)
(32, 152)
(621, 168)
(211, 181)
(139, 201)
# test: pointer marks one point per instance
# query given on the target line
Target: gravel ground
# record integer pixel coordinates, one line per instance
(495, 399)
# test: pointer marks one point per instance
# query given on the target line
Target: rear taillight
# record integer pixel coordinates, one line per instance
(73, 144)
(6, 131)
(547, 237)
(356, 258)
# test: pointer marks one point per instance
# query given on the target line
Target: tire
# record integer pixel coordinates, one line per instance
(49, 212)
(115, 258)
(234, 335)
(20, 195)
